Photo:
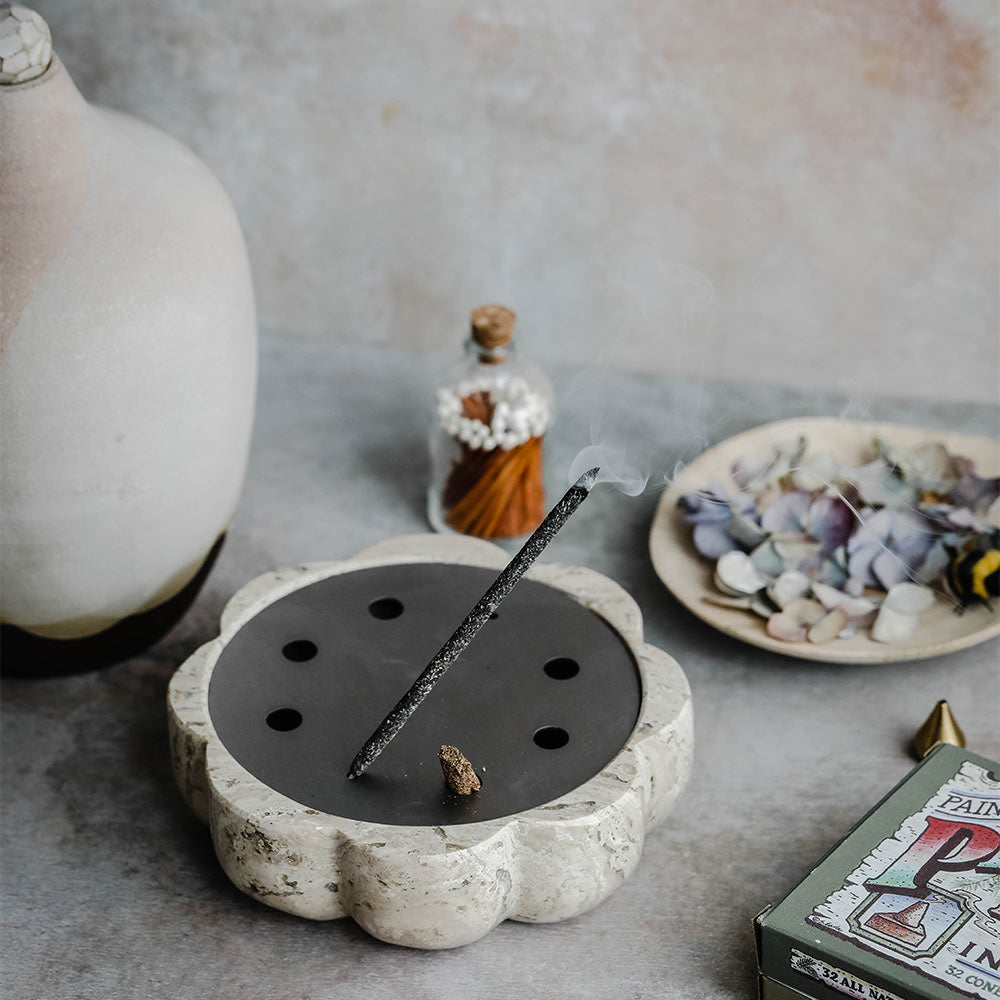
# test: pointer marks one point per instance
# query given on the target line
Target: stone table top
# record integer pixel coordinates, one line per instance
(110, 887)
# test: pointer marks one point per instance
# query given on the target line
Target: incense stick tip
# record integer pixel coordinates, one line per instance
(587, 480)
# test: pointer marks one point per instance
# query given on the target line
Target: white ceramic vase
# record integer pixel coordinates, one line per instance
(128, 369)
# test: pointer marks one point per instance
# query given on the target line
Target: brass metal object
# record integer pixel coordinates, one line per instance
(940, 727)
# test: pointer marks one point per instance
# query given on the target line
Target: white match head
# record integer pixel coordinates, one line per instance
(25, 44)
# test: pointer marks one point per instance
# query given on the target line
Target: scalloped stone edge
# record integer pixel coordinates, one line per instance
(442, 886)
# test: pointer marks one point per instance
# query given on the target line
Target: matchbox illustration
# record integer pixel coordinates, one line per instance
(928, 896)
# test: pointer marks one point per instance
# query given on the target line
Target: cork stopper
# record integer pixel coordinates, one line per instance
(492, 326)
(25, 44)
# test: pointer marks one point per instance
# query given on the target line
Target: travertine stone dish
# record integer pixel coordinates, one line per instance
(436, 886)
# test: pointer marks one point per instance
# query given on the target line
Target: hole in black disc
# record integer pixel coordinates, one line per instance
(551, 737)
(385, 608)
(562, 668)
(284, 719)
(299, 650)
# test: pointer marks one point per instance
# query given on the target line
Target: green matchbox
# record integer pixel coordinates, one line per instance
(907, 905)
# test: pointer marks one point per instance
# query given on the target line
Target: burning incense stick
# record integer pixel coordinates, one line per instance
(475, 620)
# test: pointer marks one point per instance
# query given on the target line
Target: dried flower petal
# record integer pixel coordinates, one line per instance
(945, 517)
(879, 486)
(710, 512)
(828, 596)
(736, 574)
(790, 586)
(829, 570)
(888, 569)
(766, 560)
(815, 472)
(767, 496)
(928, 467)
(705, 507)
(789, 513)
(828, 627)
(893, 626)
(898, 617)
(972, 491)
(746, 530)
(806, 611)
(785, 627)
(909, 598)
(743, 603)
(712, 540)
(934, 563)
(755, 471)
(993, 514)
(888, 545)
(830, 521)
(858, 609)
(796, 551)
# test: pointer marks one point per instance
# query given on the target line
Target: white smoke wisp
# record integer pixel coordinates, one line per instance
(614, 468)
(857, 408)
(630, 458)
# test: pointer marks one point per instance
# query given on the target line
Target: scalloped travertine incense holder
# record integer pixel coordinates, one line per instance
(581, 732)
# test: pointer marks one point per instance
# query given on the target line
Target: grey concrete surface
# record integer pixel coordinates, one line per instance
(830, 167)
(110, 888)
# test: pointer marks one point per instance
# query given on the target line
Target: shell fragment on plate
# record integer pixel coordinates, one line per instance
(786, 627)
(829, 627)
(790, 586)
(900, 612)
(736, 574)
(805, 611)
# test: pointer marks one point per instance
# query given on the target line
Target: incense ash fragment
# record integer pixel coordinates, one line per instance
(459, 775)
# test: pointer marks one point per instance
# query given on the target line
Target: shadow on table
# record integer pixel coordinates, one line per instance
(23, 654)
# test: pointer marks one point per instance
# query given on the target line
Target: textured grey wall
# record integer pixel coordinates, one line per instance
(829, 165)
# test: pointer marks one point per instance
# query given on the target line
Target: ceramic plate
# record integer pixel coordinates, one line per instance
(688, 575)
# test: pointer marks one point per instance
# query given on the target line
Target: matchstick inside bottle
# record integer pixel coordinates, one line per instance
(493, 410)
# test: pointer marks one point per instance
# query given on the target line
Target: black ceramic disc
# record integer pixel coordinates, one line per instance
(543, 698)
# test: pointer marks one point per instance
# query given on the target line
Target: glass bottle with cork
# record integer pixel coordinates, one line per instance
(493, 410)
